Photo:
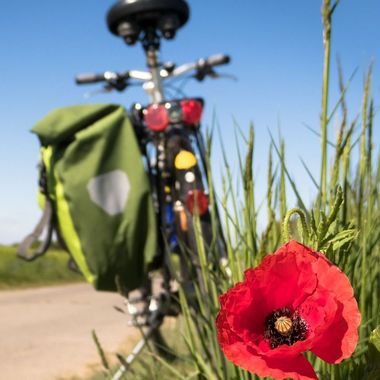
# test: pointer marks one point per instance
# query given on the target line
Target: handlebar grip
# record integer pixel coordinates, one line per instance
(89, 78)
(218, 59)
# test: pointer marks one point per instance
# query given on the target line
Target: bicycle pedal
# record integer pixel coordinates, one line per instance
(137, 300)
(137, 322)
(137, 311)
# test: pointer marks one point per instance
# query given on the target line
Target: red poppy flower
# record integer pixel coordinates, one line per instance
(294, 301)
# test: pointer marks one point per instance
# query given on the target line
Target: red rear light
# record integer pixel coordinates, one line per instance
(156, 117)
(197, 202)
(192, 111)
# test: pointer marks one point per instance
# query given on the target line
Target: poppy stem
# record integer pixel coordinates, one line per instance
(286, 222)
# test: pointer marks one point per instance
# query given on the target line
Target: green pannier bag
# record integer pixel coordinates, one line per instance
(96, 195)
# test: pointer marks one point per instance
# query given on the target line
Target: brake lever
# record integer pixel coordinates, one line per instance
(203, 72)
(117, 84)
(213, 74)
(112, 84)
(210, 72)
(105, 90)
(227, 76)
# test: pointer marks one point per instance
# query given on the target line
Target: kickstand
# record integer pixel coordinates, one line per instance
(127, 361)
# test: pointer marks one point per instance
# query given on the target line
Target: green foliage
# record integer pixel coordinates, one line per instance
(52, 269)
(374, 338)
(101, 353)
(342, 222)
(373, 355)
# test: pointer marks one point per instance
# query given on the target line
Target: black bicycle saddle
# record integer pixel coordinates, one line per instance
(164, 15)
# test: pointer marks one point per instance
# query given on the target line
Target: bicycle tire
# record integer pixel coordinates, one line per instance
(186, 179)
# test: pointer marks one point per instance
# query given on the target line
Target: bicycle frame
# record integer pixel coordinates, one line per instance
(163, 172)
(154, 78)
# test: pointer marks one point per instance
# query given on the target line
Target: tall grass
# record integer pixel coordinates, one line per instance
(343, 222)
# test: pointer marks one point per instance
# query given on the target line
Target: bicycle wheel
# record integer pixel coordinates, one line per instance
(189, 199)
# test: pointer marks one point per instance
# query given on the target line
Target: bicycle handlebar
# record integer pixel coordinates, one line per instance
(202, 65)
(218, 59)
(87, 78)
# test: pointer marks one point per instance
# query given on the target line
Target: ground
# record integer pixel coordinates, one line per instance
(46, 332)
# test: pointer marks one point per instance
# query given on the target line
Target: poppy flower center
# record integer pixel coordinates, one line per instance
(283, 326)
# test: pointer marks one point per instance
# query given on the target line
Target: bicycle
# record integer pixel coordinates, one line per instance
(173, 149)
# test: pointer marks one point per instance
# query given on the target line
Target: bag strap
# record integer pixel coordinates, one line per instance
(45, 221)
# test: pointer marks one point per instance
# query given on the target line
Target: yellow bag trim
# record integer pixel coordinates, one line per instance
(65, 222)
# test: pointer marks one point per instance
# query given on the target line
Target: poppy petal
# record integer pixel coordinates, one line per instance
(240, 354)
(338, 341)
(298, 283)
(297, 368)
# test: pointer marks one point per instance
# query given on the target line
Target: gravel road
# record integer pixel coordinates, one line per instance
(45, 333)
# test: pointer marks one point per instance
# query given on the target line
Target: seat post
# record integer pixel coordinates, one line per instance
(151, 45)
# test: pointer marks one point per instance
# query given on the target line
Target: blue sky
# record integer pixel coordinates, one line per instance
(276, 49)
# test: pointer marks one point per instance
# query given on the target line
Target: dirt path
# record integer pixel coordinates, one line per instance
(45, 333)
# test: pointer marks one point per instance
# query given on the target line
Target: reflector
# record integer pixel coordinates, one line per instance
(156, 118)
(185, 160)
(197, 202)
(191, 111)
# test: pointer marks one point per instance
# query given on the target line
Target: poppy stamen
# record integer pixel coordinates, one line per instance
(284, 326)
